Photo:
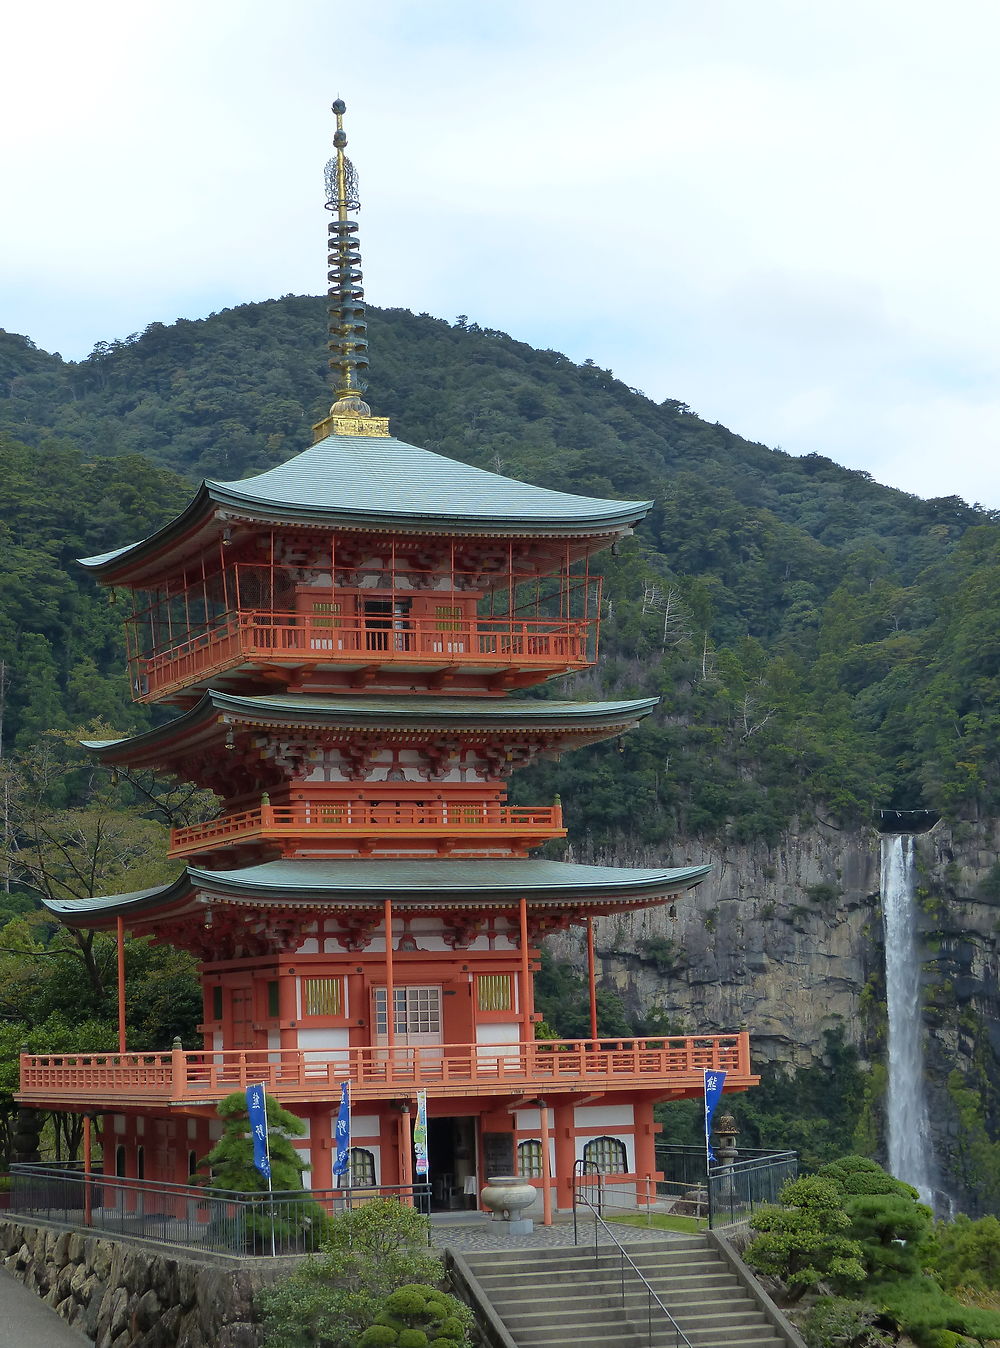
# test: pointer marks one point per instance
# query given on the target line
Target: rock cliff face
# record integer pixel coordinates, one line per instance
(787, 941)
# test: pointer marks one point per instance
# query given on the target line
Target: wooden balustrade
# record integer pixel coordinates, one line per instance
(297, 638)
(314, 820)
(677, 1063)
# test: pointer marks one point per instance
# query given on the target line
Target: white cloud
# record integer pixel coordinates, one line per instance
(780, 213)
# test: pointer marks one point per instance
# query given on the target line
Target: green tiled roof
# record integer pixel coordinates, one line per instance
(371, 477)
(480, 876)
(382, 482)
(385, 713)
(325, 883)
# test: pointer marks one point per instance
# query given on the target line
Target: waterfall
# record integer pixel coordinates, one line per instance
(910, 1151)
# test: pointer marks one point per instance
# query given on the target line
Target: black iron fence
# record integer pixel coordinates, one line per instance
(733, 1190)
(213, 1220)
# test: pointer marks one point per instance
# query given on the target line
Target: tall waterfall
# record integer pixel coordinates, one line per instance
(910, 1151)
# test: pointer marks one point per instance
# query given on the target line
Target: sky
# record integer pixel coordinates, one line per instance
(780, 212)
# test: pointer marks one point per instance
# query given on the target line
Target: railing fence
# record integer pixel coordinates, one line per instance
(733, 1190)
(188, 1215)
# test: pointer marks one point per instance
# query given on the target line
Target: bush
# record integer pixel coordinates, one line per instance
(964, 1253)
(931, 1317)
(835, 1322)
(378, 1336)
(374, 1282)
(804, 1242)
(860, 1175)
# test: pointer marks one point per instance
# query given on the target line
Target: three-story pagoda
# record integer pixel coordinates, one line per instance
(341, 636)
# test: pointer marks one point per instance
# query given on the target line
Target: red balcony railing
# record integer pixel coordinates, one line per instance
(313, 822)
(296, 639)
(673, 1064)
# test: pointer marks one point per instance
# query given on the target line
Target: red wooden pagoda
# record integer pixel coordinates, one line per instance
(340, 635)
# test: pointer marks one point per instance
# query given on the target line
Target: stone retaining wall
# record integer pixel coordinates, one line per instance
(122, 1295)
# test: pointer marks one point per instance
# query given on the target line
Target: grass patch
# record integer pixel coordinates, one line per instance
(662, 1221)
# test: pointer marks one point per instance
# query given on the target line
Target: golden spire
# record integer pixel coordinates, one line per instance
(348, 327)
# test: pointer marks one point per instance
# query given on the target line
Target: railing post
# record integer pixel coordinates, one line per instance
(178, 1069)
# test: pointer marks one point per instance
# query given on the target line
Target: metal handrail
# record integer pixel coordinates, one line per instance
(195, 1216)
(583, 1167)
(681, 1340)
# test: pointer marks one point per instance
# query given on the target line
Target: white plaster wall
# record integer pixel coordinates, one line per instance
(498, 1033)
(323, 1045)
(604, 1117)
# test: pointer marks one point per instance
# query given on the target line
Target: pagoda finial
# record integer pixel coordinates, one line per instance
(348, 327)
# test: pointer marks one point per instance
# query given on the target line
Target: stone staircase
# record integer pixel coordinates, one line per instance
(554, 1297)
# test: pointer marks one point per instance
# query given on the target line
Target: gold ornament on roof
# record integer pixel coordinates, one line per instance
(348, 326)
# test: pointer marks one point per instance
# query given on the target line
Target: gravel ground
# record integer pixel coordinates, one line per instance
(474, 1231)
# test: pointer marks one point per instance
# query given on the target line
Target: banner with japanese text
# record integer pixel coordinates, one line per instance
(257, 1114)
(342, 1132)
(420, 1137)
(714, 1082)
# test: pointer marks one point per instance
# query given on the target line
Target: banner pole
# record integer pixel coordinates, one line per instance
(267, 1153)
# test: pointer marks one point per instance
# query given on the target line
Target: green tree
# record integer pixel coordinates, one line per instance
(806, 1240)
(230, 1165)
(417, 1315)
(368, 1253)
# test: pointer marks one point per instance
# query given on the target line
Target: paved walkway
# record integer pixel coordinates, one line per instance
(26, 1321)
(471, 1232)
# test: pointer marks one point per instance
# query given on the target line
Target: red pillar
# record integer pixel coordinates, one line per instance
(546, 1165)
(592, 976)
(563, 1122)
(87, 1163)
(321, 1149)
(288, 1011)
(390, 986)
(645, 1152)
(524, 991)
(121, 983)
(405, 1150)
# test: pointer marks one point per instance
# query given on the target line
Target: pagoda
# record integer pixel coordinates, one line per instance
(340, 637)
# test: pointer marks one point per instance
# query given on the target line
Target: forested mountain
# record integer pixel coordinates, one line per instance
(823, 646)
(817, 639)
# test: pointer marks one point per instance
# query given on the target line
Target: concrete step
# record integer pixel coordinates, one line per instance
(516, 1277)
(570, 1298)
(715, 1322)
(621, 1335)
(512, 1292)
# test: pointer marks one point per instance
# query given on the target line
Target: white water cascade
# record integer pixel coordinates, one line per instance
(910, 1150)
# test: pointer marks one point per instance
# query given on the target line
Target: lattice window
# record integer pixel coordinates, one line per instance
(447, 617)
(608, 1154)
(322, 996)
(326, 614)
(272, 999)
(495, 992)
(362, 1167)
(529, 1159)
(417, 1011)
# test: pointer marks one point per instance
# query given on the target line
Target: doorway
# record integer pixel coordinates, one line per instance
(386, 624)
(451, 1153)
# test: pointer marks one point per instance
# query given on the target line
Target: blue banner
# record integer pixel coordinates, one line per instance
(342, 1133)
(257, 1114)
(420, 1137)
(714, 1082)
